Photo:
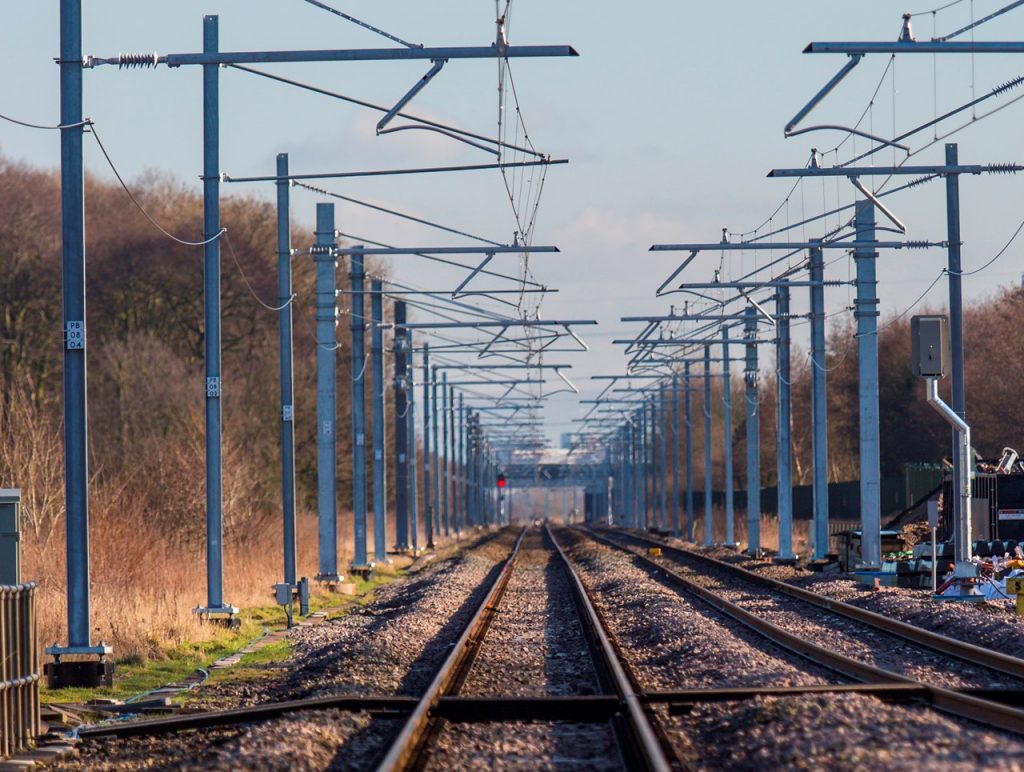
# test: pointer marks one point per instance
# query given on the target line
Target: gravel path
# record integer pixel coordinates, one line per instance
(391, 646)
(854, 639)
(991, 624)
(672, 643)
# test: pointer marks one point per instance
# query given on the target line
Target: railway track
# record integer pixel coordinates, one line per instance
(583, 690)
(590, 664)
(754, 600)
(534, 665)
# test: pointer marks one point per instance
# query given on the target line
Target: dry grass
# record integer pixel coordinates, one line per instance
(144, 587)
(769, 530)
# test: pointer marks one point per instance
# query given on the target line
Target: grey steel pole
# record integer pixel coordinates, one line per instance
(380, 491)
(326, 411)
(650, 459)
(211, 321)
(444, 471)
(663, 470)
(675, 455)
(284, 316)
(708, 472)
(76, 426)
(784, 444)
(472, 511)
(866, 314)
(628, 498)
(609, 485)
(435, 419)
(629, 463)
(453, 462)
(485, 490)
(638, 473)
(956, 338)
(647, 443)
(460, 488)
(360, 560)
(414, 503)
(428, 509)
(618, 499)
(618, 503)
(819, 405)
(753, 412)
(730, 534)
(401, 349)
(642, 464)
(688, 416)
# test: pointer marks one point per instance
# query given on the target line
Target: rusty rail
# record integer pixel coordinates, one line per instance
(19, 668)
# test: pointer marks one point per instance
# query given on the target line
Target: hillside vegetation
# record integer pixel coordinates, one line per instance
(146, 401)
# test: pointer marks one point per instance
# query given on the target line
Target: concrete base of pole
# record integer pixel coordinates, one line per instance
(86, 674)
(363, 571)
(331, 580)
(222, 616)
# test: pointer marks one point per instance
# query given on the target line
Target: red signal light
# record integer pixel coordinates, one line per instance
(501, 481)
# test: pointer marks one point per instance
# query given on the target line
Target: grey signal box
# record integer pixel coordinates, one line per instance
(929, 345)
(10, 557)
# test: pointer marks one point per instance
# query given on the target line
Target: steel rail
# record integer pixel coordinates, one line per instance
(949, 701)
(638, 740)
(584, 709)
(679, 700)
(411, 741)
(590, 708)
(969, 652)
(638, 744)
(254, 713)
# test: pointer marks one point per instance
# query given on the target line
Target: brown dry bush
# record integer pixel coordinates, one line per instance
(146, 404)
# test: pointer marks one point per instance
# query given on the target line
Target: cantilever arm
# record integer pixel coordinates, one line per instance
(878, 204)
(854, 61)
(676, 272)
(417, 87)
(483, 264)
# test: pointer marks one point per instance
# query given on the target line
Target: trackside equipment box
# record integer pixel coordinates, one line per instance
(930, 348)
(10, 547)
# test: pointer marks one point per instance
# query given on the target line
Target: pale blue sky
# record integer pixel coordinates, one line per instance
(671, 117)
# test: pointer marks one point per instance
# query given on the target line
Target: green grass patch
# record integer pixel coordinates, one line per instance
(134, 675)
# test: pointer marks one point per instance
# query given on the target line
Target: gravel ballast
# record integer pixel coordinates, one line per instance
(534, 647)
(851, 638)
(836, 731)
(991, 624)
(526, 746)
(392, 646)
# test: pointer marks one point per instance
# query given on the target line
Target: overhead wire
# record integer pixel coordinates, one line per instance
(138, 204)
(363, 24)
(909, 308)
(436, 259)
(248, 284)
(443, 127)
(58, 127)
(975, 24)
(395, 213)
(998, 255)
